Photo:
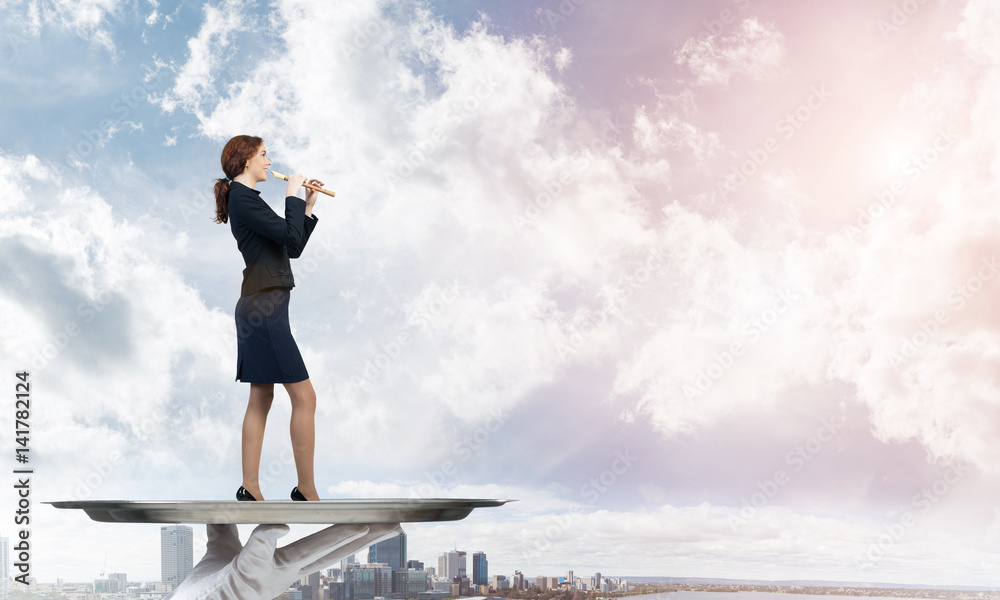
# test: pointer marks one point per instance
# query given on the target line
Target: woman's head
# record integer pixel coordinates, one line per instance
(240, 152)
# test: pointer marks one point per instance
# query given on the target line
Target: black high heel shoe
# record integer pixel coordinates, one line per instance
(243, 495)
(297, 495)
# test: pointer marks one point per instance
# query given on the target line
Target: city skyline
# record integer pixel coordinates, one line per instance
(176, 545)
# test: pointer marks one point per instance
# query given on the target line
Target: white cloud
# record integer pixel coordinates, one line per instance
(546, 529)
(756, 49)
(484, 174)
(102, 322)
(105, 315)
(738, 333)
(563, 58)
(668, 125)
(470, 179)
(86, 18)
(194, 84)
(916, 326)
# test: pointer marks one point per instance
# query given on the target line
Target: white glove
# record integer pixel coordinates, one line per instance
(262, 571)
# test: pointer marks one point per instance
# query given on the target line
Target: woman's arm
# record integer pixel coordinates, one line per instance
(307, 228)
(248, 210)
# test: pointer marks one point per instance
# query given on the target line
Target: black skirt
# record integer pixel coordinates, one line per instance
(265, 349)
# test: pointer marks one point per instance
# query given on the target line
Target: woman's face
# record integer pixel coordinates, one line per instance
(258, 164)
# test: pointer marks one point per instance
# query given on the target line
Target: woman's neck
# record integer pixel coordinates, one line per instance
(246, 180)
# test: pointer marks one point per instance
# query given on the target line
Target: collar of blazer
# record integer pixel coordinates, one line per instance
(244, 186)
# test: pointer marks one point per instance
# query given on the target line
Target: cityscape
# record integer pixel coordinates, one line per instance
(386, 572)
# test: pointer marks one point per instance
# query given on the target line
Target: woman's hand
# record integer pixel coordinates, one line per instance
(294, 184)
(312, 195)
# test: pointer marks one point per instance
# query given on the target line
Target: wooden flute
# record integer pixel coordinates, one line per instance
(304, 184)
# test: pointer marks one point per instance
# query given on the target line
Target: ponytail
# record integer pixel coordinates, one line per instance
(221, 200)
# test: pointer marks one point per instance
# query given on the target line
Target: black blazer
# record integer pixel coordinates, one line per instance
(267, 241)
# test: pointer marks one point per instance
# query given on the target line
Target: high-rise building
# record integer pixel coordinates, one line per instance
(480, 569)
(449, 566)
(335, 590)
(363, 582)
(442, 567)
(176, 553)
(500, 582)
(347, 563)
(5, 568)
(409, 582)
(569, 578)
(391, 552)
(118, 582)
(414, 564)
(518, 583)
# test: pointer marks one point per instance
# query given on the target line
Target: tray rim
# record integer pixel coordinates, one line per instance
(336, 510)
(323, 502)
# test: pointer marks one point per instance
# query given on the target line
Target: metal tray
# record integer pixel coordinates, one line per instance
(353, 510)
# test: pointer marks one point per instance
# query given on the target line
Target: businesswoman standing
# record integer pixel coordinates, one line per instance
(266, 352)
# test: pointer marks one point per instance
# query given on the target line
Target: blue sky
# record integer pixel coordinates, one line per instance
(537, 262)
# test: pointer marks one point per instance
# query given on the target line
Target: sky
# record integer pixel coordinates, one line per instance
(710, 288)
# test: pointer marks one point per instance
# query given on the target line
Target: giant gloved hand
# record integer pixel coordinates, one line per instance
(262, 571)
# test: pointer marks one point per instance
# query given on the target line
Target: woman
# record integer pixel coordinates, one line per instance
(266, 352)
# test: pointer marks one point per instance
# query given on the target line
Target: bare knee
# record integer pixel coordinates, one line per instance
(261, 396)
(306, 401)
(303, 396)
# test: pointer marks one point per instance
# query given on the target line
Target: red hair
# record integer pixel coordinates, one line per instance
(235, 155)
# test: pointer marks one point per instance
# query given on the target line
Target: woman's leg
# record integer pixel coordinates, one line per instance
(303, 432)
(261, 395)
